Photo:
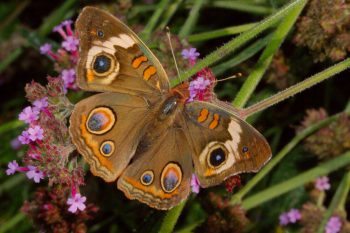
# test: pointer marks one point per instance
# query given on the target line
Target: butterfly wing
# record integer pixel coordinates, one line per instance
(113, 58)
(160, 173)
(106, 129)
(223, 144)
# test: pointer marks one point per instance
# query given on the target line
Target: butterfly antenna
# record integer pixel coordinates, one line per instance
(172, 50)
(231, 77)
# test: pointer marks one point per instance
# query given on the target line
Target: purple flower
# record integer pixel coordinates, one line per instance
(198, 85)
(28, 115)
(24, 137)
(294, 215)
(195, 184)
(15, 144)
(40, 104)
(284, 219)
(76, 202)
(12, 167)
(35, 174)
(322, 183)
(36, 133)
(70, 43)
(45, 48)
(190, 54)
(334, 225)
(68, 77)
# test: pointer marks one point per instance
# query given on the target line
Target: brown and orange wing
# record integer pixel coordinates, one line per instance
(113, 58)
(223, 144)
(106, 129)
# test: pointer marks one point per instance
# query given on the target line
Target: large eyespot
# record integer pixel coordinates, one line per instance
(217, 156)
(147, 177)
(107, 148)
(171, 177)
(100, 120)
(103, 64)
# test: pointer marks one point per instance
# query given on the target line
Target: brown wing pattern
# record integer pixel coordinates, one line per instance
(106, 128)
(113, 58)
(223, 144)
(160, 174)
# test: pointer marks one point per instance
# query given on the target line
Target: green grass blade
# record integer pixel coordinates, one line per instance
(191, 19)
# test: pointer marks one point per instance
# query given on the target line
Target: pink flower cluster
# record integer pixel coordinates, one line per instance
(202, 84)
(65, 57)
(292, 216)
(322, 183)
(334, 225)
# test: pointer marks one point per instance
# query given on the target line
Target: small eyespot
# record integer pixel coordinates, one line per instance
(100, 120)
(107, 148)
(171, 177)
(244, 149)
(103, 64)
(100, 33)
(217, 157)
(147, 177)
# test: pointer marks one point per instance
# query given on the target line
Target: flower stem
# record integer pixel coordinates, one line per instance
(338, 201)
(244, 7)
(237, 198)
(299, 180)
(168, 14)
(235, 43)
(307, 83)
(229, 31)
(170, 218)
(266, 57)
(191, 19)
(146, 33)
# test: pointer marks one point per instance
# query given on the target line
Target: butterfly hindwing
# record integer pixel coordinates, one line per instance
(160, 173)
(106, 129)
(223, 144)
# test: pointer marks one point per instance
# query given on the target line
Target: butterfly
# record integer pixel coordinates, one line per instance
(143, 134)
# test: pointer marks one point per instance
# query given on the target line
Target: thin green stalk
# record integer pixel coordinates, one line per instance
(228, 31)
(10, 58)
(170, 218)
(266, 57)
(9, 126)
(307, 83)
(56, 17)
(244, 7)
(191, 19)
(191, 227)
(299, 180)
(169, 13)
(240, 40)
(337, 202)
(146, 33)
(11, 182)
(11, 223)
(14, 14)
(247, 53)
(237, 198)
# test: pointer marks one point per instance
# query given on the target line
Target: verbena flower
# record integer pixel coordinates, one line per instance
(195, 186)
(41, 104)
(70, 44)
(24, 138)
(68, 76)
(334, 225)
(76, 203)
(36, 133)
(190, 54)
(284, 219)
(322, 183)
(34, 174)
(324, 29)
(232, 182)
(45, 48)
(29, 115)
(12, 167)
(292, 216)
